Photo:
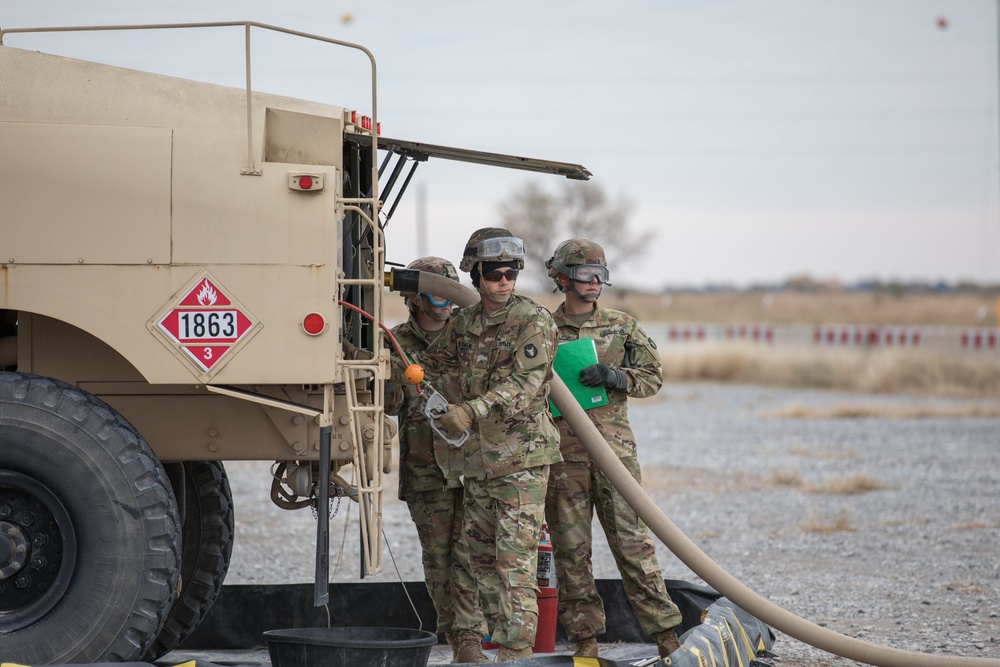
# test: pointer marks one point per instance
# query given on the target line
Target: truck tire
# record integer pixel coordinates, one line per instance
(89, 528)
(208, 527)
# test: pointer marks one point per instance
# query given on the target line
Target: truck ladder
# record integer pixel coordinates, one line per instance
(368, 435)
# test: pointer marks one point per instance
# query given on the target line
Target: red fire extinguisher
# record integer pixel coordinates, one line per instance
(545, 635)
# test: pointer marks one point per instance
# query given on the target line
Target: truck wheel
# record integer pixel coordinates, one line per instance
(89, 528)
(208, 528)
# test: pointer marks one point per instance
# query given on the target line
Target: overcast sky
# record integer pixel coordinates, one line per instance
(847, 139)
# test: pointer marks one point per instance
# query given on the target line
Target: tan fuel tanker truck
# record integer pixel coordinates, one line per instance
(189, 274)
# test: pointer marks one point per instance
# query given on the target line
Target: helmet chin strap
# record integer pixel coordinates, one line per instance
(432, 313)
(590, 298)
(495, 298)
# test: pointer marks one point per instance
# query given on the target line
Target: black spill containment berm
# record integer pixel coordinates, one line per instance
(349, 647)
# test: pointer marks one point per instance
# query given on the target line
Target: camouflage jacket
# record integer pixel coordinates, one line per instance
(621, 343)
(426, 462)
(499, 365)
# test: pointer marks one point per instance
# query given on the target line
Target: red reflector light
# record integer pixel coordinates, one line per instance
(305, 182)
(314, 324)
(354, 117)
(378, 128)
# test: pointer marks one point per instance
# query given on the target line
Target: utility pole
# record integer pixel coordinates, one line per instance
(421, 220)
(998, 123)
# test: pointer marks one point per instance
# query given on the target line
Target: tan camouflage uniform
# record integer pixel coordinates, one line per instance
(577, 487)
(498, 364)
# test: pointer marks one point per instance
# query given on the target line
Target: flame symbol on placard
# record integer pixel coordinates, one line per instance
(207, 296)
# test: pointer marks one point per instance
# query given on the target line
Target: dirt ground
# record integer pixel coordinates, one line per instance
(882, 528)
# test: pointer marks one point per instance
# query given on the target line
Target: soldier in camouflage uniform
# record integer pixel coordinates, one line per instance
(430, 480)
(493, 364)
(629, 365)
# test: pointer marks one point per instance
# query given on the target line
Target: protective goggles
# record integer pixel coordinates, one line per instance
(585, 273)
(509, 247)
(435, 301)
(497, 276)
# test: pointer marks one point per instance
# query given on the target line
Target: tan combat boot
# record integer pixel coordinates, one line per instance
(506, 653)
(667, 642)
(586, 648)
(468, 647)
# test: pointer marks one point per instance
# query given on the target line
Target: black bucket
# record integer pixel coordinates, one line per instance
(349, 647)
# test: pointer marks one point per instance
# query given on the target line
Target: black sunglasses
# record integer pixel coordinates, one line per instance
(497, 276)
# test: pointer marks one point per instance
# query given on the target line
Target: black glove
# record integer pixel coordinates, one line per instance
(600, 375)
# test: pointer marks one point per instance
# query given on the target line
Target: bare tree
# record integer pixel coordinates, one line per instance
(577, 209)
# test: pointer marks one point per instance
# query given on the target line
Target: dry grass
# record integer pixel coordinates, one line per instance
(978, 525)
(850, 485)
(818, 307)
(786, 478)
(878, 411)
(888, 371)
(784, 307)
(974, 589)
(815, 523)
(885, 371)
(659, 478)
(823, 454)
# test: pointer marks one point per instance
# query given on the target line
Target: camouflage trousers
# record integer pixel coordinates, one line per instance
(503, 520)
(447, 573)
(575, 490)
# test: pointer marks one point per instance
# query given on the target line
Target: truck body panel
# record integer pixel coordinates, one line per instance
(141, 207)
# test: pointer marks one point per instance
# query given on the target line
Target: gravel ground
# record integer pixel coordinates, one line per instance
(883, 529)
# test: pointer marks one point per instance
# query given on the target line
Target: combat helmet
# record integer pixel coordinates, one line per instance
(579, 260)
(492, 244)
(439, 266)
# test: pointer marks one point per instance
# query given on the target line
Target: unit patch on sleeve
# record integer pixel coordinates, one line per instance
(532, 354)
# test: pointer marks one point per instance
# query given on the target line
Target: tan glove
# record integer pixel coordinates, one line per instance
(456, 420)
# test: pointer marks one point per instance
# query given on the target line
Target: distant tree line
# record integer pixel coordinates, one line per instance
(807, 284)
(545, 218)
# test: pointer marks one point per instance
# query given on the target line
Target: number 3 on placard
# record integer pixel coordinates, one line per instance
(208, 353)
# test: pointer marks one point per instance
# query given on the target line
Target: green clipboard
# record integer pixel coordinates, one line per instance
(571, 358)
